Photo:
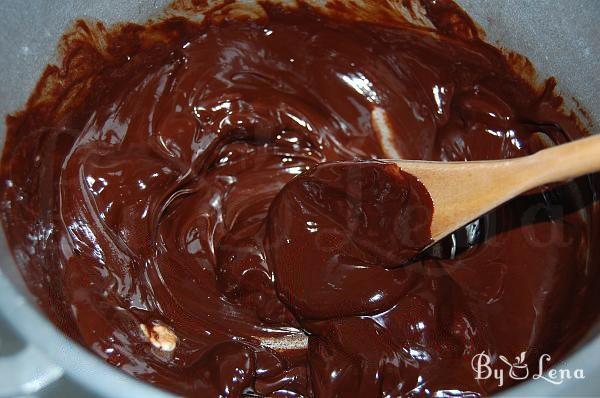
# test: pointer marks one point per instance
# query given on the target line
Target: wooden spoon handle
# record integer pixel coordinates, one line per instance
(565, 161)
(462, 191)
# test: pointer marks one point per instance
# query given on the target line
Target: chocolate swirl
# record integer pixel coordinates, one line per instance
(139, 199)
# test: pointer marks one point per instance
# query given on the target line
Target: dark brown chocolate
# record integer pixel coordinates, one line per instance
(338, 235)
(144, 197)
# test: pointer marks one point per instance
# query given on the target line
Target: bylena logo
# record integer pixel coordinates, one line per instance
(519, 370)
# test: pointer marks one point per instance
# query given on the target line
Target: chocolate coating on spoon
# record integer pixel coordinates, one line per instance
(337, 236)
(145, 201)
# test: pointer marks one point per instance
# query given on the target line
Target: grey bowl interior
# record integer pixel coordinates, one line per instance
(561, 37)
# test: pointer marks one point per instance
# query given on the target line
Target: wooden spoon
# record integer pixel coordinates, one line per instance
(463, 191)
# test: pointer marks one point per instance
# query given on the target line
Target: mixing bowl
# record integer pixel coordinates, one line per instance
(560, 37)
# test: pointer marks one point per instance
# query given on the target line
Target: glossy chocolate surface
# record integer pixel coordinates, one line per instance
(173, 178)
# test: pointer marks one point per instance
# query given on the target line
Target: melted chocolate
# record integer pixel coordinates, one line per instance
(169, 175)
(338, 234)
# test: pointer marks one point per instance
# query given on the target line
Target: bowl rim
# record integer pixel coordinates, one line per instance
(88, 370)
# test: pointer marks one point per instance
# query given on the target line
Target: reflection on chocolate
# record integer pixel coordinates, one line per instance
(145, 200)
